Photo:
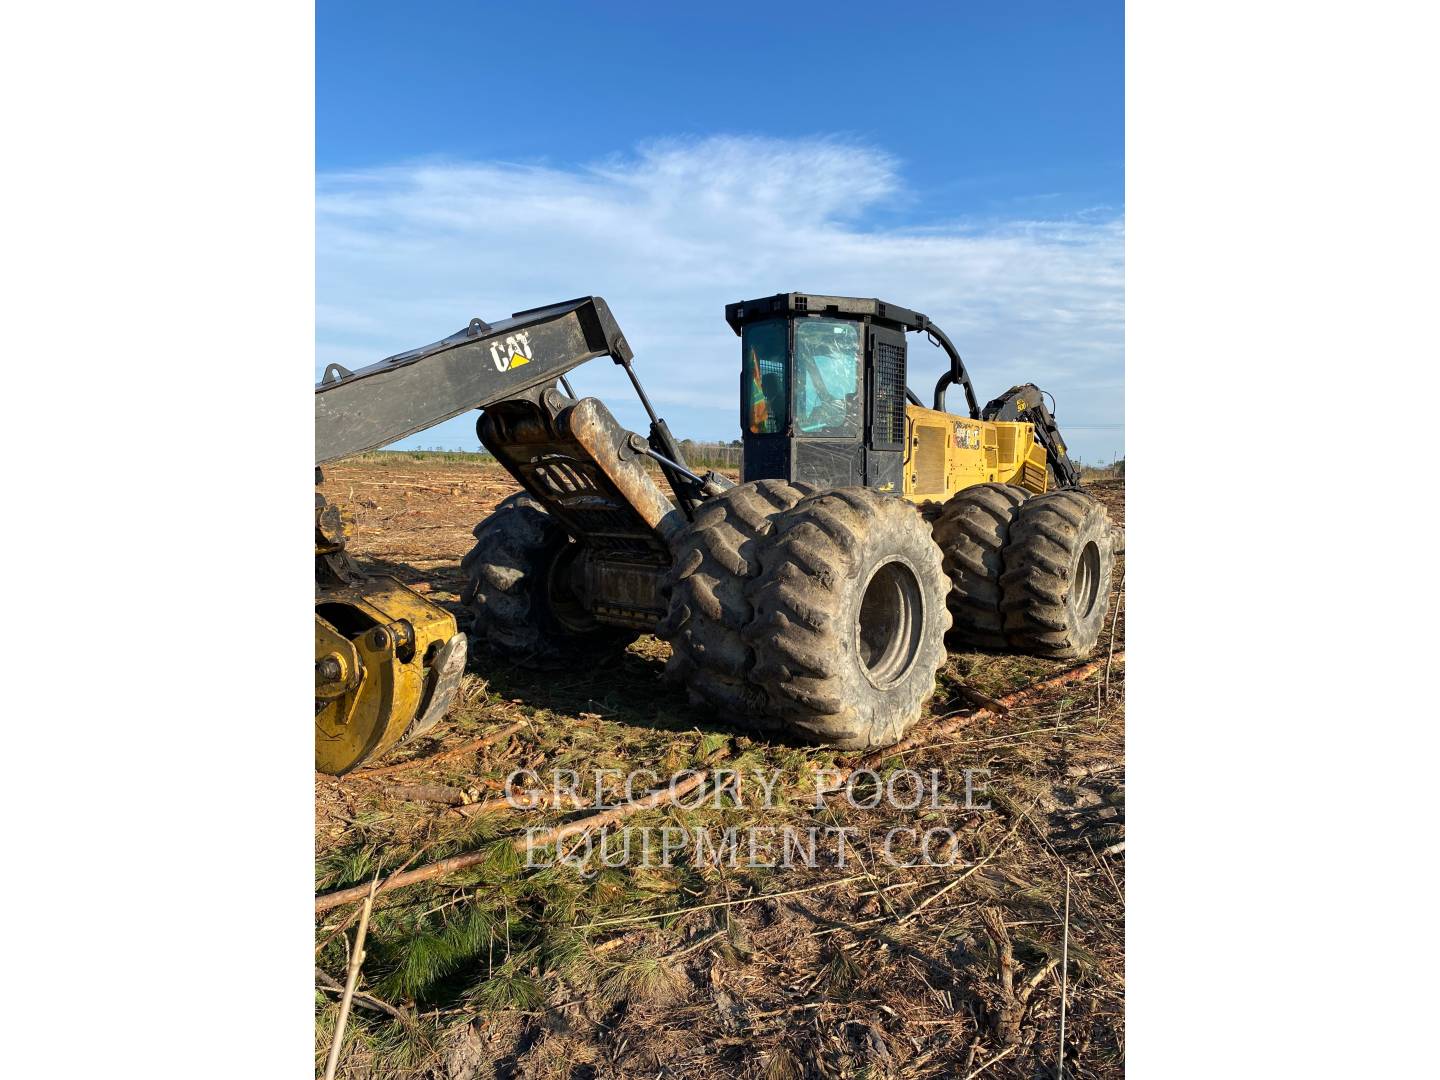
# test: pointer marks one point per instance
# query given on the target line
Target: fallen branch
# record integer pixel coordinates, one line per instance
(1003, 1053)
(952, 724)
(1010, 1014)
(1004, 1018)
(435, 793)
(496, 805)
(1119, 603)
(345, 922)
(524, 843)
(501, 803)
(455, 751)
(1075, 674)
(979, 700)
(923, 904)
(357, 957)
(658, 797)
(368, 1001)
(1064, 975)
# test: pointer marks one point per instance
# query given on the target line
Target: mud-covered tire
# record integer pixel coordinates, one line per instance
(517, 589)
(1056, 584)
(971, 529)
(715, 558)
(850, 618)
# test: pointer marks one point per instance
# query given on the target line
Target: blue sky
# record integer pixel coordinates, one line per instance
(962, 159)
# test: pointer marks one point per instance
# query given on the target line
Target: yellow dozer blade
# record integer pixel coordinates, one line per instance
(388, 662)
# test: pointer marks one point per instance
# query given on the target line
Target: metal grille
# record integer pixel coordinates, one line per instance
(929, 460)
(889, 425)
(563, 477)
(1033, 477)
(1007, 445)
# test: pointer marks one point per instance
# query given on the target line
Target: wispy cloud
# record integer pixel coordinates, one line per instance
(671, 233)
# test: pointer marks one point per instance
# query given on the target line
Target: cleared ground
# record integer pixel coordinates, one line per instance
(699, 970)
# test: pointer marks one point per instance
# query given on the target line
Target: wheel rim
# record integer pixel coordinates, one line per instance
(1087, 580)
(890, 623)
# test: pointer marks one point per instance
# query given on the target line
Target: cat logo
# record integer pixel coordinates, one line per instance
(512, 353)
(967, 438)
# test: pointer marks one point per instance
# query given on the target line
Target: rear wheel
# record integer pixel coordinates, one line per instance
(971, 529)
(1056, 584)
(715, 558)
(850, 618)
(520, 590)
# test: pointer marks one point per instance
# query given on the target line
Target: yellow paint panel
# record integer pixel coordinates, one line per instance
(975, 452)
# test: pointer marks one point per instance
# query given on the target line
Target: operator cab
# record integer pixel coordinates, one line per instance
(822, 388)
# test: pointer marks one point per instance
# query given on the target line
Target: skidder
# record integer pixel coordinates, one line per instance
(813, 599)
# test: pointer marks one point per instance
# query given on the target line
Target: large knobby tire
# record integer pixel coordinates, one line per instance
(971, 529)
(850, 618)
(1056, 584)
(520, 594)
(715, 558)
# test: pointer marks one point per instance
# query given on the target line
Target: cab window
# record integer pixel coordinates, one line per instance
(763, 345)
(827, 377)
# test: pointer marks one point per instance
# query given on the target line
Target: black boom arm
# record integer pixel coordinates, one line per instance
(474, 368)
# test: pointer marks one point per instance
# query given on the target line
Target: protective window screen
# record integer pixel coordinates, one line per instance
(827, 377)
(763, 345)
(888, 420)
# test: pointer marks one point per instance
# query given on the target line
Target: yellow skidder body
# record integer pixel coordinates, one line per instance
(946, 453)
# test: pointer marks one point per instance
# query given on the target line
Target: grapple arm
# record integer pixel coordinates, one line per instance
(388, 661)
(473, 368)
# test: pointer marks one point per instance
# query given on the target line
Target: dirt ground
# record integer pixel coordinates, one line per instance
(853, 967)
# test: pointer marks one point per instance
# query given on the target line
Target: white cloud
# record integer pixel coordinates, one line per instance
(408, 253)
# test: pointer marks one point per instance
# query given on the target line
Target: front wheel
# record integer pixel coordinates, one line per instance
(849, 618)
(715, 559)
(520, 590)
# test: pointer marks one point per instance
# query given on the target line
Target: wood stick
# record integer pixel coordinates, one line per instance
(523, 843)
(340, 928)
(436, 793)
(657, 797)
(1003, 1053)
(1075, 674)
(1006, 1018)
(501, 803)
(976, 698)
(368, 1001)
(1114, 618)
(455, 751)
(357, 957)
(955, 881)
(1064, 976)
